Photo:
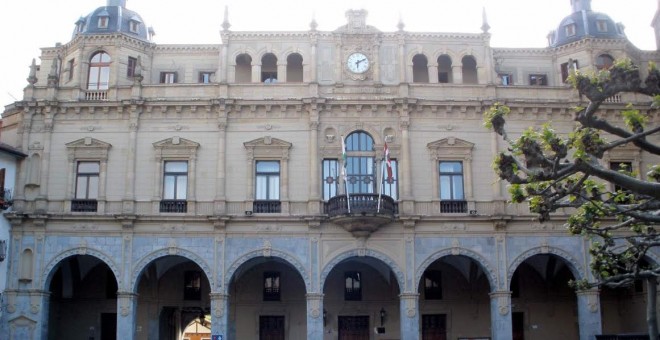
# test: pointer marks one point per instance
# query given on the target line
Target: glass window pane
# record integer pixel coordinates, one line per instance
(451, 167)
(268, 166)
(168, 187)
(88, 167)
(178, 166)
(445, 188)
(261, 187)
(104, 78)
(181, 187)
(274, 187)
(458, 187)
(81, 187)
(93, 187)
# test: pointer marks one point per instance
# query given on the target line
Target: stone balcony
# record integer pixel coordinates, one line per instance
(361, 214)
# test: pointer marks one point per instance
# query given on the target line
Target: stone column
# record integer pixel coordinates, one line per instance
(220, 198)
(409, 311)
(256, 73)
(219, 314)
(500, 315)
(457, 74)
(433, 74)
(126, 315)
(131, 154)
(314, 316)
(281, 72)
(314, 175)
(589, 314)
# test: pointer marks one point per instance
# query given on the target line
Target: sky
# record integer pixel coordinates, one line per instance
(28, 25)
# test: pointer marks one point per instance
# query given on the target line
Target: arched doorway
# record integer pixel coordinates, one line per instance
(172, 291)
(83, 300)
(361, 296)
(543, 305)
(454, 299)
(267, 301)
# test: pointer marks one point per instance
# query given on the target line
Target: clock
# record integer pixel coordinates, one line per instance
(357, 62)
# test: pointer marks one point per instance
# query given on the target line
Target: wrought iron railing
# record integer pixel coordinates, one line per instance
(361, 204)
(84, 205)
(173, 206)
(453, 207)
(267, 207)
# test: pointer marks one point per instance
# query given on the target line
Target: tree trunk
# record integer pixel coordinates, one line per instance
(651, 309)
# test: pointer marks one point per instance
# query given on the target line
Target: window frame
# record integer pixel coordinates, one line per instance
(168, 77)
(99, 70)
(452, 149)
(205, 77)
(538, 79)
(176, 176)
(353, 293)
(192, 285)
(267, 149)
(87, 176)
(103, 21)
(361, 163)
(570, 30)
(502, 76)
(175, 149)
(329, 178)
(131, 67)
(391, 189)
(87, 150)
(273, 293)
(435, 291)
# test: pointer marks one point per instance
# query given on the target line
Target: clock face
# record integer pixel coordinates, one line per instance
(357, 63)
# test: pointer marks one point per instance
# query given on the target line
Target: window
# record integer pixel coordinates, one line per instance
(601, 26)
(294, 68)
(622, 167)
(360, 167)
(70, 65)
(604, 62)
(192, 285)
(444, 69)
(87, 187)
(570, 30)
(432, 285)
(538, 79)
(353, 286)
(267, 187)
(205, 77)
(390, 182)
(451, 187)
(567, 68)
(243, 68)
(134, 26)
(269, 68)
(330, 180)
(132, 64)
(175, 186)
(99, 72)
(103, 21)
(271, 286)
(469, 70)
(168, 77)
(506, 79)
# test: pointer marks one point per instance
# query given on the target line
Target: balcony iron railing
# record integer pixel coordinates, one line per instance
(453, 207)
(173, 206)
(267, 207)
(361, 204)
(84, 205)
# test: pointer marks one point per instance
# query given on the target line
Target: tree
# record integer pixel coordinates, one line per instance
(619, 212)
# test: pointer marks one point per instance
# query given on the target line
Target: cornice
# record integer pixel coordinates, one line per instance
(180, 48)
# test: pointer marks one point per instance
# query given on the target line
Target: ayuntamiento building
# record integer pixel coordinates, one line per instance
(171, 184)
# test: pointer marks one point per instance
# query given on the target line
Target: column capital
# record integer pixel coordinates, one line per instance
(314, 296)
(503, 300)
(588, 292)
(218, 296)
(129, 295)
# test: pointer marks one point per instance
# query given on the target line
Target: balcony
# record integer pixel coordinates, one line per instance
(364, 216)
(267, 207)
(96, 95)
(84, 205)
(453, 207)
(173, 206)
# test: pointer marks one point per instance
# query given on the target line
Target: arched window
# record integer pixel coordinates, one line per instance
(294, 68)
(99, 72)
(604, 62)
(243, 68)
(444, 69)
(360, 164)
(469, 70)
(269, 68)
(420, 69)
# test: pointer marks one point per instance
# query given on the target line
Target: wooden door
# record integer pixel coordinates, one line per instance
(353, 327)
(271, 327)
(434, 327)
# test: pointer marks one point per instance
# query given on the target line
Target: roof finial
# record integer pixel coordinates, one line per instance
(400, 25)
(313, 25)
(225, 22)
(484, 26)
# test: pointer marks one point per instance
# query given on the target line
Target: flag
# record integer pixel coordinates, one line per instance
(388, 162)
(343, 171)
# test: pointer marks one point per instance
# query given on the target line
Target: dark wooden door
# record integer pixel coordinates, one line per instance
(271, 327)
(353, 327)
(434, 327)
(518, 325)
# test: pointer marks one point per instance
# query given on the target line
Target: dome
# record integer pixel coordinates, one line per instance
(112, 18)
(585, 23)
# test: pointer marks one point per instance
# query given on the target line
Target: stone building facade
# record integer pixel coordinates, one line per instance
(246, 185)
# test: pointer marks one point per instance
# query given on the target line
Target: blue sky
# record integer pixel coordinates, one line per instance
(30, 24)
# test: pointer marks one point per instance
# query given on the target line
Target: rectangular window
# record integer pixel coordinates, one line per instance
(205, 77)
(390, 183)
(538, 79)
(132, 64)
(168, 77)
(330, 178)
(452, 195)
(432, 285)
(353, 286)
(566, 69)
(506, 79)
(103, 22)
(70, 65)
(175, 187)
(133, 26)
(623, 167)
(267, 195)
(271, 286)
(570, 30)
(87, 187)
(192, 285)
(601, 26)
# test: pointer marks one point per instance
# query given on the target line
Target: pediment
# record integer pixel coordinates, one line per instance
(450, 142)
(268, 147)
(88, 142)
(175, 143)
(267, 142)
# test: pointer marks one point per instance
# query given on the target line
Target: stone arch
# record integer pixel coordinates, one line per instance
(482, 261)
(262, 52)
(170, 251)
(251, 52)
(292, 50)
(364, 253)
(267, 252)
(48, 271)
(573, 265)
(375, 134)
(413, 52)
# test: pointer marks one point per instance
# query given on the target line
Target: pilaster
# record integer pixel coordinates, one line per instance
(409, 311)
(589, 314)
(500, 315)
(126, 315)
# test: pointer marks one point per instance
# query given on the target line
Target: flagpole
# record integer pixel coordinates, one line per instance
(343, 170)
(380, 183)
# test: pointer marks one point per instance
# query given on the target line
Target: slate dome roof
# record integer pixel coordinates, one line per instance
(114, 17)
(584, 22)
